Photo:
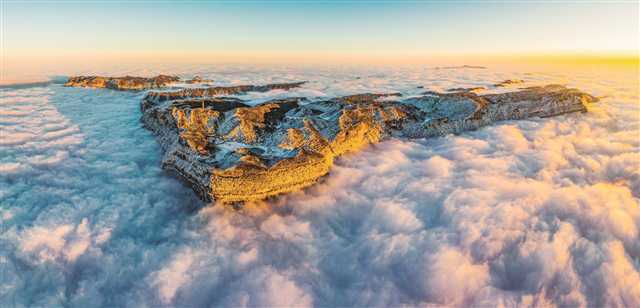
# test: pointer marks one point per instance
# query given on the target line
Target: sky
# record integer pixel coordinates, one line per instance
(37, 33)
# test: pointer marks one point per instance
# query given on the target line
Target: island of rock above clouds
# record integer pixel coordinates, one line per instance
(230, 151)
(121, 83)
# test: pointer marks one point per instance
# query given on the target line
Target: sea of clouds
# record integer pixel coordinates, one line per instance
(539, 212)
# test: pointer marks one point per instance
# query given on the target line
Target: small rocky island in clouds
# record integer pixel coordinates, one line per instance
(230, 151)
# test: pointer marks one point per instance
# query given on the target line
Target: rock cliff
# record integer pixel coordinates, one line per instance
(230, 151)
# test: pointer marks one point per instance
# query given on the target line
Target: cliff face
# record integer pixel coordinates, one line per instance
(232, 152)
(121, 83)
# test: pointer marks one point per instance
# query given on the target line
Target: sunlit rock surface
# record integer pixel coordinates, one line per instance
(121, 83)
(231, 151)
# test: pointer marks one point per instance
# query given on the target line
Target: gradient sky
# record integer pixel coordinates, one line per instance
(413, 27)
(46, 37)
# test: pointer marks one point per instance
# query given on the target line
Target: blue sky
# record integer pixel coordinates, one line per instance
(353, 27)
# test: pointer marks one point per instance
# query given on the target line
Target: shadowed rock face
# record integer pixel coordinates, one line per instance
(121, 83)
(232, 152)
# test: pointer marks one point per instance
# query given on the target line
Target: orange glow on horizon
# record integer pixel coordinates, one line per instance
(20, 66)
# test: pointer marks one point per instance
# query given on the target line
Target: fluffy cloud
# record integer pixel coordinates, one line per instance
(542, 212)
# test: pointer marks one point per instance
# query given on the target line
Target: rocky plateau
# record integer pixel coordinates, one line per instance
(130, 83)
(121, 83)
(231, 151)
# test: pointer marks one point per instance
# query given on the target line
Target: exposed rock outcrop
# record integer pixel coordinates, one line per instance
(508, 82)
(198, 79)
(200, 93)
(472, 89)
(121, 83)
(231, 152)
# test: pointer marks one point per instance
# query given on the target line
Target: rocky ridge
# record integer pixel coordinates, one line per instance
(230, 151)
(121, 83)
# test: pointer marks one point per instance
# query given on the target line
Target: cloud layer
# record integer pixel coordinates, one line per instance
(540, 212)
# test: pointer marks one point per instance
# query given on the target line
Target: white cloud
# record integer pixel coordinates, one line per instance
(170, 278)
(452, 278)
(542, 212)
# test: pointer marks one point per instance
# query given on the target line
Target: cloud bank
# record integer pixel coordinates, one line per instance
(542, 212)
